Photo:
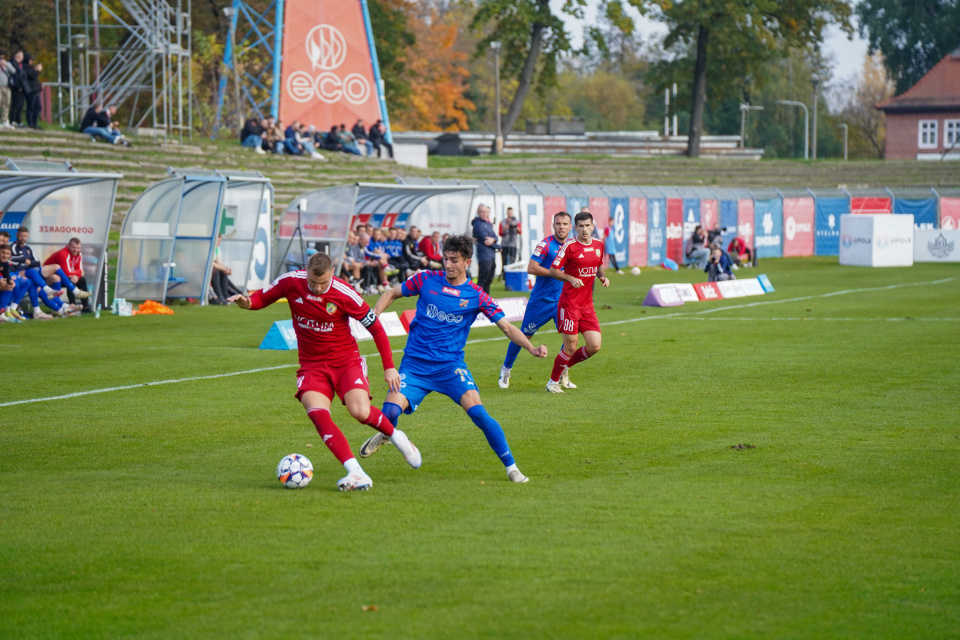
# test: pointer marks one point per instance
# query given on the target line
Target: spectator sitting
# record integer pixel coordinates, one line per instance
(220, 276)
(97, 123)
(715, 237)
(353, 262)
(306, 142)
(376, 138)
(252, 135)
(695, 250)
(348, 144)
(740, 253)
(361, 136)
(431, 248)
(416, 260)
(718, 267)
(8, 75)
(394, 249)
(331, 141)
(275, 137)
(290, 143)
(7, 287)
(376, 255)
(26, 265)
(65, 267)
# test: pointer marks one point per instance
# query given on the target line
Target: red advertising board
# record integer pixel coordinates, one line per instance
(327, 74)
(708, 213)
(675, 229)
(798, 234)
(707, 291)
(745, 220)
(600, 208)
(638, 232)
(950, 213)
(871, 205)
(552, 205)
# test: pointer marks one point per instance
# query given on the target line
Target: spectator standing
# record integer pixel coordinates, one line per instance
(361, 135)
(18, 89)
(510, 232)
(696, 250)
(32, 69)
(7, 76)
(377, 139)
(487, 248)
(252, 135)
(610, 246)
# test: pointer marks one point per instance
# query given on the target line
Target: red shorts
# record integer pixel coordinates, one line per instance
(327, 379)
(574, 321)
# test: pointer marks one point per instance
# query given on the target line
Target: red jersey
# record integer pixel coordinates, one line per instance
(580, 260)
(322, 323)
(71, 265)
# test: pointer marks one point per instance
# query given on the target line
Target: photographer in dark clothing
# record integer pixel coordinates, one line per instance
(32, 69)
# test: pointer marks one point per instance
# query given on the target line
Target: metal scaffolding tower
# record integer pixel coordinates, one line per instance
(139, 51)
(253, 37)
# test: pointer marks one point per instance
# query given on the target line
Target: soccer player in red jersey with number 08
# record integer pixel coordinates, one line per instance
(321, 306)
(582, 261)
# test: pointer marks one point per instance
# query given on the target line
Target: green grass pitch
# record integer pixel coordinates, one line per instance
(154, 512)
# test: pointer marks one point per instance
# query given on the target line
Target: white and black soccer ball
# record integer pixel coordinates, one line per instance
(295, 471)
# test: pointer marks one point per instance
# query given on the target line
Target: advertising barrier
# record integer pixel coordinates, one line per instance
(876, 240)
(870, 205)
(675, 229)
(924, 211)
(828, 212)
(620, 232)
(728, 221)
(949, 213)
(936, 245)
(745, 219)
(798, 218)
(638, 249)
(769, 230)
(657, 223)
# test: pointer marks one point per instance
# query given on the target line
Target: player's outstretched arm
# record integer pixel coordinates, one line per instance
(387, 298)
(516, 336)
(560, 275)
(241, 300)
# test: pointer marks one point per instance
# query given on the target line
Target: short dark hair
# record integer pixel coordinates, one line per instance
(583, 215)
(74, 241)
(4, 234)
(5, 246)
(462, 245)
(23, 229)
(319, 264)
(560, 213)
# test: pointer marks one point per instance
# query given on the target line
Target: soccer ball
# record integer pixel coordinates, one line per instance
(295, 471)
(635, 271)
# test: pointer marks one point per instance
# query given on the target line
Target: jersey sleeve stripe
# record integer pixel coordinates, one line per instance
(348, 291)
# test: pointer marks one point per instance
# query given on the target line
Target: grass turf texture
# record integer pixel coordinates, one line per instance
(154, 512)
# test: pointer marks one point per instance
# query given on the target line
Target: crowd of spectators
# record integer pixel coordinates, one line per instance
(20, 90)
(58, 283)
(375, 258)
(268, 135)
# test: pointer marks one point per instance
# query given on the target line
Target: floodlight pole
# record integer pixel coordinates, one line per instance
(743, 122)
(806, 124)
(816, 84)
(844, 127)
(498, 141)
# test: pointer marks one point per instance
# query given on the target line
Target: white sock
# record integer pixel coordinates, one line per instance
(396, 433)
(512, 467)
(505, 370)
(352, 466)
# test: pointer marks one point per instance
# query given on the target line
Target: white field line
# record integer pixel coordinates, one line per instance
(808, 319)
(653, 317)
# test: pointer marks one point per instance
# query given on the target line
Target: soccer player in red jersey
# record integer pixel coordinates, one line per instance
(582, 261)
(321, 306)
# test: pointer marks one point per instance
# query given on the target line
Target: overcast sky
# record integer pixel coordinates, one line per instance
(847, 54)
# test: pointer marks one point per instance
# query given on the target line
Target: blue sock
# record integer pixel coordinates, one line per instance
(494, 433)
(392, 411)
(5, 298)
(54, 303)
(513, 350)
(65, 281)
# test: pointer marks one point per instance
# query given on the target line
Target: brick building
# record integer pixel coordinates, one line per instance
(923, 123)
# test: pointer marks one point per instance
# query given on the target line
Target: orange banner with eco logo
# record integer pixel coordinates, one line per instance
(327, 73)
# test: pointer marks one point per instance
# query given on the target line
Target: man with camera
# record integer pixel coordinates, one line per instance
(510, 232)
(719, 267)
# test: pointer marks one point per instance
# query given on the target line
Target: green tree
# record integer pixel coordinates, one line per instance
(729, 40)
(913, 35)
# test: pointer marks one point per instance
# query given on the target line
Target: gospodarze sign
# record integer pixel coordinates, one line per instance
(327, 76)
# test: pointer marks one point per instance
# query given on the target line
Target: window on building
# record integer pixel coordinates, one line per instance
(927, 134)
(951, 133)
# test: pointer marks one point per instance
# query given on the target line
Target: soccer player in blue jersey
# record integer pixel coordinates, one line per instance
(542, 306)
(433, 359)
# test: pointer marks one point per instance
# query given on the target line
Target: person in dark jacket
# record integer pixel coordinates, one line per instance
(361, 135)
(32, 69)
(487, 248)
(376, 138)
(96, 123)
(252, 135)
(18, 91)
(331, 141)
(719, 267)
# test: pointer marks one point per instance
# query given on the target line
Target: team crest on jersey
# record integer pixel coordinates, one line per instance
(453, 292)
(463, 304)
(331, 308)
(598, 252)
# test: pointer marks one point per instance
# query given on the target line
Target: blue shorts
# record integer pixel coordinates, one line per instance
(420, 377)
(538, 314)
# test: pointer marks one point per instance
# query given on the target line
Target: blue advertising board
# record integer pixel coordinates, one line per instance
(768, 223)
(618, 242)
(691, 216)
(728, 221)
(924, 211)
(657, 225)
(827, 227)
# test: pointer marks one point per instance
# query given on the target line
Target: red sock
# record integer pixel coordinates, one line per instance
(562, 360)
(579, 356)
(331, 434)
(379, 422)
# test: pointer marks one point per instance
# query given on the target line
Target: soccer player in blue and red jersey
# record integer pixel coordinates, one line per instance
(581, 260)
(321, 306)
(433, 359)
(542, 306)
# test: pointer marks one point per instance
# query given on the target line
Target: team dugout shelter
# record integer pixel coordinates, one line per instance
(56, 203)
(322, 219)
(169, 237)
